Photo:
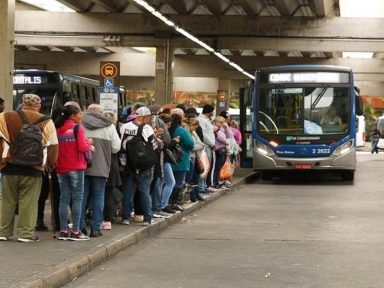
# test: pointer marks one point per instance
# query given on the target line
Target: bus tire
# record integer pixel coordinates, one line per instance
(348, 175)
(266, 175)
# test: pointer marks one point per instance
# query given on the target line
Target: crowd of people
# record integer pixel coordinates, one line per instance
(94, 170)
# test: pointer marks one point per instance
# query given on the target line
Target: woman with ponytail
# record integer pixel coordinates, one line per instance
(70, 167)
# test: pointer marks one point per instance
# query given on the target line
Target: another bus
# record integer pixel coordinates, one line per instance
(54, 88)
(303, 118)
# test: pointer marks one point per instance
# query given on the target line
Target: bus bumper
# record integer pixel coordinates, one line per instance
(345, 161)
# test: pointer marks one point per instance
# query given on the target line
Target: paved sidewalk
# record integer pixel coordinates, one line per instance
(52, 263)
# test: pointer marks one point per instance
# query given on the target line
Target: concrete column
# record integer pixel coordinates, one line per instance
(7, 27)
(164, 75)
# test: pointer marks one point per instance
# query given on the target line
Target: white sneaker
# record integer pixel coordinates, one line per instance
(157, 215)
(125, 222)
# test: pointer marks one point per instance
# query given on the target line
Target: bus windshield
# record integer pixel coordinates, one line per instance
(301, 110)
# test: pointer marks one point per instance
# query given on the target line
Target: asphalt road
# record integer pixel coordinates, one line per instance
(298, 231)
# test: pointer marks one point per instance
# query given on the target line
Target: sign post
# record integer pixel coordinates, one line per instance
(109, 93)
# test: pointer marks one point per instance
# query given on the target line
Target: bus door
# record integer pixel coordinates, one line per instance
(245, 126)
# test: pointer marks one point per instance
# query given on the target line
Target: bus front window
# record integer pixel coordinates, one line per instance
(303, 110)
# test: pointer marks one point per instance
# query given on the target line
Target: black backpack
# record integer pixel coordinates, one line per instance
(28, 149)
(140, 154)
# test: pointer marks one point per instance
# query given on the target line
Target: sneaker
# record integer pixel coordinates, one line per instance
(164, 214)
(169, 210)
(157, 215)
(33, 239)
(63, 235)
(78, 237)
(125, 222)
(106, 225)
(146, 223)
(212, 189)
(178, 207)
(96, 233)
(3, 238)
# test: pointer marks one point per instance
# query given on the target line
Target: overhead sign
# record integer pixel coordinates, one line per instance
(110, 70)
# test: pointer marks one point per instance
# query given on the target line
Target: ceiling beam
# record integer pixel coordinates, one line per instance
(182, 6)
(200, 25)
(324, 8)
(78, 5)
(217, 7)
(112, 5)
(251, 7)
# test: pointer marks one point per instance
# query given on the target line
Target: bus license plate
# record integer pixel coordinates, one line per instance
(303, 166)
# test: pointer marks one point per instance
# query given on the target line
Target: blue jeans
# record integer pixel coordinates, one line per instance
(94, 192)
(142, 183)
(72, 193)
(190, 174)
(180, 178)
(156, 194)
(169, 183)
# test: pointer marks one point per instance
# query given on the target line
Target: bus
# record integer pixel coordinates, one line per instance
(303, 118)
(54, 89)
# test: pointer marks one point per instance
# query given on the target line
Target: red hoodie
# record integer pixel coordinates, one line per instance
(71, 151)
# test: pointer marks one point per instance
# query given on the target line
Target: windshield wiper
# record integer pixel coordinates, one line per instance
(321, 94)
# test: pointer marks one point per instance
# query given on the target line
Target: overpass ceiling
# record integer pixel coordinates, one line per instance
(248, 28)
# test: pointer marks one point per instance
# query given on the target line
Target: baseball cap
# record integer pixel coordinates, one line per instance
(143, 111)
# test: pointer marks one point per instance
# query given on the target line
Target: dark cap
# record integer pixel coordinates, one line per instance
(208, 108)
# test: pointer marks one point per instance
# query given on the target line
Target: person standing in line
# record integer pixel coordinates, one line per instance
(22, 183)
(138, 180)
(209, 140)
(111, 190)
(70, 168)
(181, 168)
(106, 141)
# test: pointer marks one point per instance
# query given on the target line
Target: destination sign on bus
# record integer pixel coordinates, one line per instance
(21, 79)
(308, 77)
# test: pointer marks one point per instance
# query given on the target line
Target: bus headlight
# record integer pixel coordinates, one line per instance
(344, 148)
(263, 149)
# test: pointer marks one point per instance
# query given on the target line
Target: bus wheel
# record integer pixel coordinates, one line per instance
(266, 175)
(348, 175)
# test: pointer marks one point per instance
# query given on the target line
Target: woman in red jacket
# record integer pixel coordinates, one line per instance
(70, 167)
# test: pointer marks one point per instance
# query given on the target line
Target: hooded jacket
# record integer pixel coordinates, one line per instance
(71, 150)
(105, 140)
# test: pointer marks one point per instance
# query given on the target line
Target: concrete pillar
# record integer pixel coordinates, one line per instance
(164, 75)
(7, 27)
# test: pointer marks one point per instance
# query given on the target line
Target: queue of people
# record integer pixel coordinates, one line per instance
(98, 178)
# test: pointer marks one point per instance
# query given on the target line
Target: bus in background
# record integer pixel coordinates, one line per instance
(360, 133)
(54, 89)
(303, 118)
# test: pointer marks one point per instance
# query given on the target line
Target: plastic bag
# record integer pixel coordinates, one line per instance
(227, 170)
(203, 158)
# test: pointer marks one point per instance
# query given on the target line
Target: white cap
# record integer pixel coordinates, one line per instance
(143, 111)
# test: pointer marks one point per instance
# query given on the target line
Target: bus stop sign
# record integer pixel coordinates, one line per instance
(110, 70)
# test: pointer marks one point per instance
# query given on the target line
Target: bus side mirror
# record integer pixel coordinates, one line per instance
(359, 105)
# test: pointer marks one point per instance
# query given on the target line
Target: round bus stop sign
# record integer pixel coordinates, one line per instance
(109, 70)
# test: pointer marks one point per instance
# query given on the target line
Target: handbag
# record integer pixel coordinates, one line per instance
(380, 144)
(199, 165)
(174, 154)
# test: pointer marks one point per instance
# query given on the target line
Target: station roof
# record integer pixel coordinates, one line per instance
(302, 29)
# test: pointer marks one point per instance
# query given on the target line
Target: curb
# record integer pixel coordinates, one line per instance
(84, 263)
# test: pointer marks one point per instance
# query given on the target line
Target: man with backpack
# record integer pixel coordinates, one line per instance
(29, 145)
(138, 143)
